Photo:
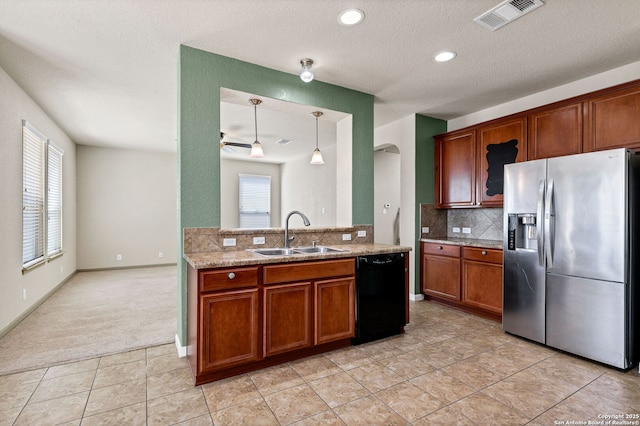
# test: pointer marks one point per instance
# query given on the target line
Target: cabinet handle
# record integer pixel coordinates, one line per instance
(231, 275)
(439, 247)
(484, 252)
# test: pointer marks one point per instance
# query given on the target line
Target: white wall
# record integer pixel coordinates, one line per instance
(599, 81)
(386, 189)
(229, 187)
(126, 206)
(315, 190)
(402, 133)
(16, 105)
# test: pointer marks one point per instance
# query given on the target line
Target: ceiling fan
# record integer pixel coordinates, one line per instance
(228, 146)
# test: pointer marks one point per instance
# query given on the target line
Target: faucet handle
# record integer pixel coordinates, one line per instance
(314, 243)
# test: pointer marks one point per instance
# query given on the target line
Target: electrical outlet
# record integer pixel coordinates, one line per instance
(362, 233)
(160, 254)
(228, 242)
(455, 230)
(425, 229)
(118, 257)
(258, 240)
(24, 294)
(466, 230)
(346, 237)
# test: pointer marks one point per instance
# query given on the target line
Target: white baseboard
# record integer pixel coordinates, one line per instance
(416, 297)
(182, 350)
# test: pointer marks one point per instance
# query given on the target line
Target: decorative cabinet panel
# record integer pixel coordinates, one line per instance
(613, 120)
(555, 132)
(455, 164)
(498, 144)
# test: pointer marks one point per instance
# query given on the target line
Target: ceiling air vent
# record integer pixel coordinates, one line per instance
(506, 12)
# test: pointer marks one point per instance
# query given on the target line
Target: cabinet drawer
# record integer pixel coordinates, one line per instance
(441, 249)
(224, 279)
(482, 254)
(305, 271)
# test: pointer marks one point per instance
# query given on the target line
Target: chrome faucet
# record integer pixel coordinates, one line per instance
(288, 240)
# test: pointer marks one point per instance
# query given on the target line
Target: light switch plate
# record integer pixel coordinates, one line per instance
(466, 230)
(258, 240)
(455, 230)
(425, 229)
(228, 242)
(362, 233)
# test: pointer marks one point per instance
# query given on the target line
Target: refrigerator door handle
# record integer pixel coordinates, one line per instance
(539, 224)
(548, 224)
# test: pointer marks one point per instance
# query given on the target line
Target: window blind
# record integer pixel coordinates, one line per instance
(33, 164)
(255, 201)
(54, 199)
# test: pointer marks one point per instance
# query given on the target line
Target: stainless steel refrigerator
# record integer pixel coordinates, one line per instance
(571, 258)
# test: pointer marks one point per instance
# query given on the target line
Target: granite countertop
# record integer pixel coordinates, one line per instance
(471, 242)
(220, 259)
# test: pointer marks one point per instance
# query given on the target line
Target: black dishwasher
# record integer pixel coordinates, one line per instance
(380, 296)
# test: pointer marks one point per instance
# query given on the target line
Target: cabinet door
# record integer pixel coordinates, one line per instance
(498, 144)
(287, 317)
(612, 121)
(334, 310)
(230, 329)
(455, 169)
(555, 132)
(441, 276)
(482, 285)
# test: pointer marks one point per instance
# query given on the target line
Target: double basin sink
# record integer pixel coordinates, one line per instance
(296, 250)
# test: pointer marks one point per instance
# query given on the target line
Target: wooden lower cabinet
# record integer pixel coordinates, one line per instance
(231, 320)
(334, 309)
(482, 278)
(287, 318)
(441, 271)
(244, 319)
(468, 278)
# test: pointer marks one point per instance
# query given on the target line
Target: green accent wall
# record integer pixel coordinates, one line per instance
(426, 129)
(201, 75)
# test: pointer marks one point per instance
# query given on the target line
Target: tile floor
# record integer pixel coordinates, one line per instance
(449, 368)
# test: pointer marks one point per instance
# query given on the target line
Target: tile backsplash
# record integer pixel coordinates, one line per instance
(485, 224)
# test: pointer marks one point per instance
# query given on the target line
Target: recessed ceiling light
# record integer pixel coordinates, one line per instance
(444, 56)
(351, 17)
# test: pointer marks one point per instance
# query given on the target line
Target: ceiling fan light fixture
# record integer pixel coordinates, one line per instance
(256, 146)
(351, 17)
(316, 158)
(307, 73)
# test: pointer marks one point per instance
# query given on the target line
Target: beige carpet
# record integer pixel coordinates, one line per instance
(95, 314)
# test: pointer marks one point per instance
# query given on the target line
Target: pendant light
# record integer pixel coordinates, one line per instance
(316, 158)
(256, 147)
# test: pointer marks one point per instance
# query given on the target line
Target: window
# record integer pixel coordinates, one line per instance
(41, 197)
(255, 201)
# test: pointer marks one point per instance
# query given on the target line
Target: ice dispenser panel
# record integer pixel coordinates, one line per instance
(522, 231)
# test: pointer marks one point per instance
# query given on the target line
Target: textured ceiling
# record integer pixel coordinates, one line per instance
(106, 71)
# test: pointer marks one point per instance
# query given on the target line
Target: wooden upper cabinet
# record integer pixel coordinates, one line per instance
(613, 120)
(555, 132)
(455, 169)
(500, 143)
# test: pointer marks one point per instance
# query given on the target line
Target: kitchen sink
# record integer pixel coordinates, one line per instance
(296, 250)
(316, 249)
(275, 251)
